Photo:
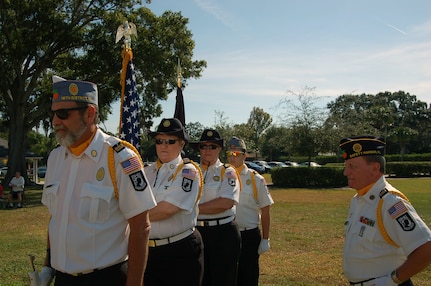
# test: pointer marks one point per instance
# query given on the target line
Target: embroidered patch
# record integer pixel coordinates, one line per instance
(187, 184)
(397, 209)
(138, 181)
(231, 175)
(232, 182)
(131, 164)
(189, 173)
(118, 147)
(406, 222)
(367, 221)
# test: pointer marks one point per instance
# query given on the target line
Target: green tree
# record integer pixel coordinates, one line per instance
(258, 122)
(306, 121)
(275, 143)
(76, 40)
(399, 117)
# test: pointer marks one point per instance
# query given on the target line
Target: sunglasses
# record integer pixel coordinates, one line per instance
(63, 113)
(166, 141)
(208, 146)
(234, 153)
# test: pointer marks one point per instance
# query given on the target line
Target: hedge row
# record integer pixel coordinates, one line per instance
(332, 176)
(322, 160)
(309, 177)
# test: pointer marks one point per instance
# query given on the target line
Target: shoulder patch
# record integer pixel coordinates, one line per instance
(188, 173)
(118, 147)
(187, 185)
(231, 174)
(397, 209)
(138, 181)
(406, 222)
(131, 164)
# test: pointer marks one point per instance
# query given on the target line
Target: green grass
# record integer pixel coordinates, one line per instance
(306, 235)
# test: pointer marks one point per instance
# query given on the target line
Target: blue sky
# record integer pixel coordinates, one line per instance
(257, 51)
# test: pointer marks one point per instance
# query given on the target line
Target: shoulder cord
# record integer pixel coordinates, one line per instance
(236, 171)
(253, 183)
(201, 180)
(380, 218)
(111, 164)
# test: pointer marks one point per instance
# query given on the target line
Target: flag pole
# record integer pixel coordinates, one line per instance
(129, 127)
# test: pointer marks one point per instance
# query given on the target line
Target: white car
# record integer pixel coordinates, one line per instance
(309, 164)
(3, 171)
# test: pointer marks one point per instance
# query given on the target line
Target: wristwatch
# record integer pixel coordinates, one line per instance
(394, 276)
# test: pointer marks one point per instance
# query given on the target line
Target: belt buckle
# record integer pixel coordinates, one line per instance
(152, 243)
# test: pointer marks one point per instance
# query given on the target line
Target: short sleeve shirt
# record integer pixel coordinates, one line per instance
(177, 183)
(366, 253)
(220, 181)
(88, 227)
(248, 208)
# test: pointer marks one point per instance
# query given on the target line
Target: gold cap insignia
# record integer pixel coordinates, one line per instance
(73, 89)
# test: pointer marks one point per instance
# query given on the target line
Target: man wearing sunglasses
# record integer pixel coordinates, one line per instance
(253, 209)
(98, 197)
(176, 249)
(216, 223)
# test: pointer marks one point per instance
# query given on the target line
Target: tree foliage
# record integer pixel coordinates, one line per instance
(75, 39)
(399, 117)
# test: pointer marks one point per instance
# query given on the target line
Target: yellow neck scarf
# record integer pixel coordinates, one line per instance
(81, 148)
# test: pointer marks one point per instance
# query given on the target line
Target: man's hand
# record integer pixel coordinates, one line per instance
(263, 246)
(46, 275)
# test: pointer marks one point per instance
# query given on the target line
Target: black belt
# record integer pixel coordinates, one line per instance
(361, 283)
(215, 221)
(109, 268)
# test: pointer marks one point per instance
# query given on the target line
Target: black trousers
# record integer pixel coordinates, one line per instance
(113, 275)
(178, 263)
(248, 270)
(222, 249)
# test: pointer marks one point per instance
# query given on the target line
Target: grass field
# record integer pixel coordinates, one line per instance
(306, 235)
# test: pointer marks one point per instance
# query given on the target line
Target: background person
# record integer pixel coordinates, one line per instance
(97, 194)
(216, 223)
(253, 208)
(176, 250)
(386, 240)
(17, 189)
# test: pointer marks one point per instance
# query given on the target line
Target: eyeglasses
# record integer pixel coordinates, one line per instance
(166, 141)
(63, 113)
(234, 153)
(208, 146)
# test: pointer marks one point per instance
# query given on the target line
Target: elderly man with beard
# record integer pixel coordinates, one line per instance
(98, 197)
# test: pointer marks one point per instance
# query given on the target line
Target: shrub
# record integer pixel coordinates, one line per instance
(309, 177)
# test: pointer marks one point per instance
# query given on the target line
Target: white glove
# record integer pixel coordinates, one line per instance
(263, 246)
(382, 281)
(46, 275)
(34, 278)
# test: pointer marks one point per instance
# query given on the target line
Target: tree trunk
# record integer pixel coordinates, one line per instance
(16, 144)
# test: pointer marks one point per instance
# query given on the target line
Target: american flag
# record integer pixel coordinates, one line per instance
(130, 128)
(397, 209)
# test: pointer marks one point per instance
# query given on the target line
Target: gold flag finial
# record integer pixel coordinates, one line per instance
(179, 74)
(126, 30)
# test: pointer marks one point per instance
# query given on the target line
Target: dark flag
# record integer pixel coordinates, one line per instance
(130, 128)
(179, 107)
(180, 113)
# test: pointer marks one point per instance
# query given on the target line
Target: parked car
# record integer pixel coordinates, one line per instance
(263, 164)
(41, 171)
(291, 164)
(309, 164)
(276, 164)
(3, 171)
(255, 167)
